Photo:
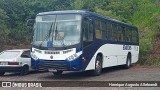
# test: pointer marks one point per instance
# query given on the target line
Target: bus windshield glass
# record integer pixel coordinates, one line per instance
(62, 30)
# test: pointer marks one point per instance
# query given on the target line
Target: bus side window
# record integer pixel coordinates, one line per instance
(91, 31)
(98, 29)
(123, 33)
(137, 38)
(88, 30)
(114, 32)
(130, 34)
(134, 36)
(120, 33)
(127, 38)
(104, 30)
(109, 31)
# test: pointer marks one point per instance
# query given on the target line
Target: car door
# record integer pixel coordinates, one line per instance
(25, 58)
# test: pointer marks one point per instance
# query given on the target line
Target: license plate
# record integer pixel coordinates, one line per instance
(52, 70)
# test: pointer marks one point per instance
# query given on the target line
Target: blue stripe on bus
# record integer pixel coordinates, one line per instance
(90, 50)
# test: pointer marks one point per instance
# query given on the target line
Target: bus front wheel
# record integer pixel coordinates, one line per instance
(98, 66)
(2, 73)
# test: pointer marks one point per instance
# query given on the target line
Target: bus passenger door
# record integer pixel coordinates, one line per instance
(87, 32)
(87, 39)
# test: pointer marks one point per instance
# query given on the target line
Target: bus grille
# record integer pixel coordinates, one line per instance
(55, 65)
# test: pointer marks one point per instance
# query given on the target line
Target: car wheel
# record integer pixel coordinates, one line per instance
(98, 66)
(24, 70)
(58, 73)
(2, 73)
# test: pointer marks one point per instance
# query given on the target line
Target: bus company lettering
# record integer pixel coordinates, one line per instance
(127, 47)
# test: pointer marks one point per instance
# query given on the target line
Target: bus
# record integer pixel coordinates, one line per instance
(79, 40)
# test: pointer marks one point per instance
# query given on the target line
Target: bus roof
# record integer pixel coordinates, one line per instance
(64, 12)
(84, 12)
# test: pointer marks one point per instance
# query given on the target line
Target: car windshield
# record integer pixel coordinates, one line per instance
(62, 30)
(9, 54)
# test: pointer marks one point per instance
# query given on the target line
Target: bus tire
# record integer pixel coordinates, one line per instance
(2, 73)
(98, 66)
(58, 73)
(128, 62)
(24, 70)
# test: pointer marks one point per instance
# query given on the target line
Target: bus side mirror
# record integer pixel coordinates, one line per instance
(30, 24)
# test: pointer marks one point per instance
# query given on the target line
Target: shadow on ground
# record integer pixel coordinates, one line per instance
(78, 75)
(8, 74)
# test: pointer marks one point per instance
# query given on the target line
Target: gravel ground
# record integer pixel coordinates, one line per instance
(136, 73)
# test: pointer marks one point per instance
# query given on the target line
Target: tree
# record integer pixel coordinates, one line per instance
(3, 28)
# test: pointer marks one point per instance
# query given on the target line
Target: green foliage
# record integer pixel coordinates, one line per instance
(146, 44)
(124, 9)
(108, 13)
(19, 33)
(3, 28)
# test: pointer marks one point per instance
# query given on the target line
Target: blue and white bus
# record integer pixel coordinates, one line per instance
(77, 40)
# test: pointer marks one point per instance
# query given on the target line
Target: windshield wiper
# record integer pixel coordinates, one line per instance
(47, 35)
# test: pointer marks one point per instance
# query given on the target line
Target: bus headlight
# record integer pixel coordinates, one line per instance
(72, 57)
(34, 56)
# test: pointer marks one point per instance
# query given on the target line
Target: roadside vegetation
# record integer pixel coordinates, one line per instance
(145, 14)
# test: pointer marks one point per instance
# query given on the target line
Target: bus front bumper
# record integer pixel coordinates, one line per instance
(61, 65)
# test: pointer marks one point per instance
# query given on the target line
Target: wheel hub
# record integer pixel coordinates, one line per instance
(98, 66)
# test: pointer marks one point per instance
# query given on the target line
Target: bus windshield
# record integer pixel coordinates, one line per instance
(62, 30)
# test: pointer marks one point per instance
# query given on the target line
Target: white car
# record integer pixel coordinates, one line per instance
(15, 61)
